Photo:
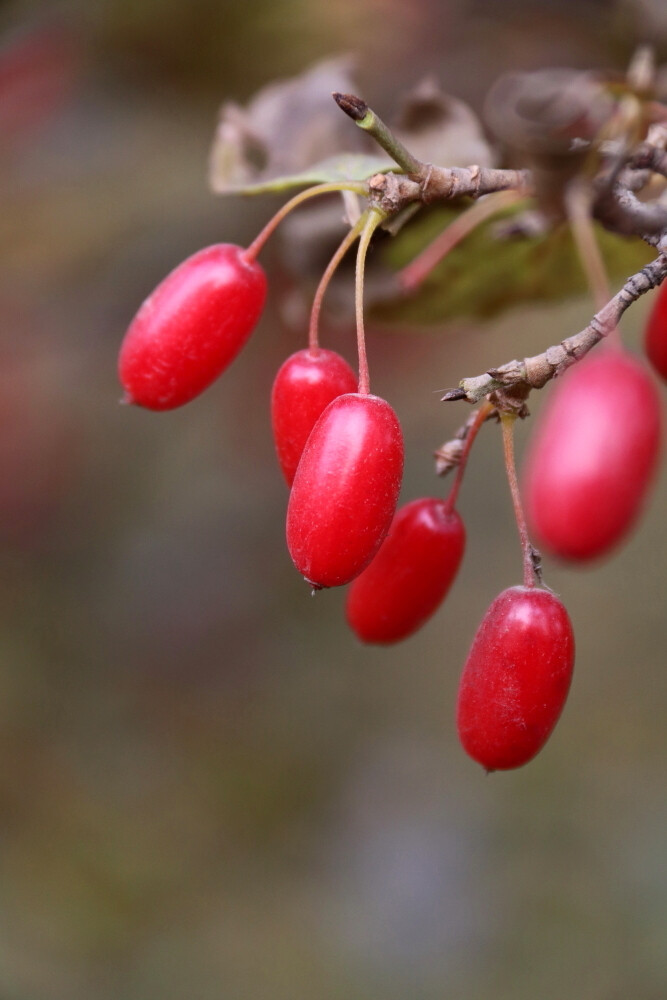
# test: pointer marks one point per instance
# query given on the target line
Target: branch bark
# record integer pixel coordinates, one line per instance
(535, 372)
(392, 192)
(610, 197)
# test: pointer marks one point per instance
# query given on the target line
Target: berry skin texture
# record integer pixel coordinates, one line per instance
(410, 575)
(592, 459)
(516, 678)
(303, 388)
(191, 328)
(345, 490)
(656, 333)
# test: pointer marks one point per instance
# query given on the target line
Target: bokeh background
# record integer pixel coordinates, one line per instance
(208, 788)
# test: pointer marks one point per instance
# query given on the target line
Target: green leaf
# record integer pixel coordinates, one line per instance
(484, 276)
(346, 167)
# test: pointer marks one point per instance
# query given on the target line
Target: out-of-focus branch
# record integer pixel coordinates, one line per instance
(622, 212)
(650, 157)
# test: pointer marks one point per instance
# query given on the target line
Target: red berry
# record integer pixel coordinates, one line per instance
(411, 574)
(192, 327)
(656, 333)
(516, 678)
(345, 489)
(593, 457)
(303, 388)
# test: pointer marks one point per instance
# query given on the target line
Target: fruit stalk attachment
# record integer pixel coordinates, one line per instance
(332, 266)
(470, 432)
(530, 555)
(313, 192)
(372, 221)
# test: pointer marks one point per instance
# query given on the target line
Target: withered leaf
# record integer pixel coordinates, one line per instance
(438, 128)
(292, 135)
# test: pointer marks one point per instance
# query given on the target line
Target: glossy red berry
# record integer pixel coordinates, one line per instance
(410, 575)
(303, 388)
(192, 327)
(593, 457)
(656, 333)
(345, 489)
(516, 678)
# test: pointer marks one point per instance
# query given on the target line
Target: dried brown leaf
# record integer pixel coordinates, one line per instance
(286, 131)
(438, 128)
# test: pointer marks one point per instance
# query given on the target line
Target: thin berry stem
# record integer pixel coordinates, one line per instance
(350, 237)
(579, 211)
(464, 224)
(258, 243)
(371, 223)
(508, 421)
(480, 417)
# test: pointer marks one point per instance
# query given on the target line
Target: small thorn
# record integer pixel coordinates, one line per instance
(126, 400)
(453, 394)
(351, 105)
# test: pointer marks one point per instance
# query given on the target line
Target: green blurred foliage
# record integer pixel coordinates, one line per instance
(483, 275)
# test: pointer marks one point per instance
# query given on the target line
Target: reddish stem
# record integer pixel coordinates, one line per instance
(350, 237)
(419, 269)
(579, 210)
(371, 223)
(480, 417)
(313, 192)
(508, 420)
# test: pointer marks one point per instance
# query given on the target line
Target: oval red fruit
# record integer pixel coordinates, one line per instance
(410, 575)
(192, 327)
(303, 388)
(516, 678)
(593, 457)
(656, 333)
(345, 489)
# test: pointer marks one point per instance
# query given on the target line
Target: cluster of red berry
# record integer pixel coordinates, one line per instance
(341, 452)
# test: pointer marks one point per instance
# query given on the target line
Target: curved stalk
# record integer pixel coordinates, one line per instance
(418, 269)
(508, 421)
(480, 417)
(258, 243)
(373, 220)
(578, 200)
(350, 237)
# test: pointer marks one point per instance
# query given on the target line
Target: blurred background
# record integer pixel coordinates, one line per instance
(209, 788)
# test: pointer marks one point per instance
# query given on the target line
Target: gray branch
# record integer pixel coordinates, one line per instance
(622, 212)
(535, 372)
(650, 157)
(392, 192)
